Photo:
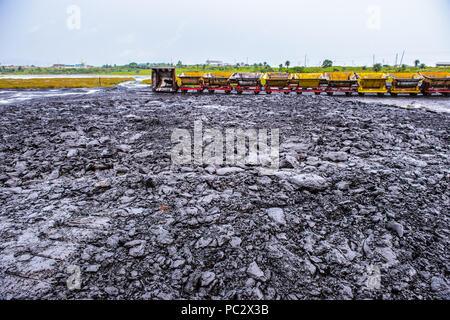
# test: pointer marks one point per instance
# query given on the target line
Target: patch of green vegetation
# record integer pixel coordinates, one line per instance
(47, 83)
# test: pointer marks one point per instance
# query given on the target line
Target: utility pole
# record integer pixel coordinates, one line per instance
(305, 60)
(373, 58)
(396, 58)
(401, 60)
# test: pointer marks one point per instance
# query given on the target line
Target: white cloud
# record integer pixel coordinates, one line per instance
(34, 28)
(126, 53)
(136, 55)
(126, 39)
(178, 34)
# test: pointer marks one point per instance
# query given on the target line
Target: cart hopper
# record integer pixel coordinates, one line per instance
(246, 79)
(341, 79)
(405, 82)
(372, 82)
(306, 80)
(191, 78)
(217, 78)
(435, 82)
(276, 79)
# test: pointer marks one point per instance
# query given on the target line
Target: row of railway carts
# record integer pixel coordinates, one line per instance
(426, 83)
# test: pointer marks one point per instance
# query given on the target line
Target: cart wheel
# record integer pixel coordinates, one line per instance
(199, 91)
(210, 91)
(361, 94)
(348, 94)
(239, 92)
(317, 93)
(425, 94)
(299, 92)
(446, 94)
(227, 91)
(413, 94)
(183, 91)
(380, 94)
(269, 92)
(257, 92)
(330, 93)
(394, 94)
(286, 92)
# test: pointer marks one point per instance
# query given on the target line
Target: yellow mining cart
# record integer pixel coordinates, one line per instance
(341, 82)
(308, 82)
(276, 81)
(246, 81)
(217, 81)
(435, 82)
(191, 81)
(372, 82)
(405, 82)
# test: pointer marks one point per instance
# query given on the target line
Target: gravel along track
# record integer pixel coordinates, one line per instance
(359, 207)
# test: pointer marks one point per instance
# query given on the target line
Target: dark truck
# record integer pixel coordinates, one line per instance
(164, 79)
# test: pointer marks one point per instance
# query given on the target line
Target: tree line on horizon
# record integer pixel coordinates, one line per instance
(144, 68)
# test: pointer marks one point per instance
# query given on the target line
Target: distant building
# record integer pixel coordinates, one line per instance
(214, 63)
(442, 64)
(78, 65)
(16, 67)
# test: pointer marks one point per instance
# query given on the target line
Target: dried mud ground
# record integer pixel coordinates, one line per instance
(87, 181)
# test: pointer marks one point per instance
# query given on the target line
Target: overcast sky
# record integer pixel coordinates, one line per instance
(349, 32)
